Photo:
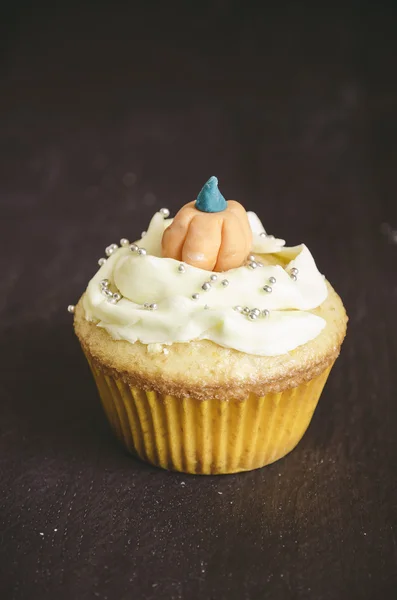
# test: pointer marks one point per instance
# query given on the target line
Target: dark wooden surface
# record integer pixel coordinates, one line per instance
(107, 114)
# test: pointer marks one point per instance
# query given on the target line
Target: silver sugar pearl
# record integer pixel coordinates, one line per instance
(263, 234)
(206, 307)
(294, 271)
(246, 310)
(267, 288)
(251, 257)
(238, 309)
(272, 280)
(112, 300)
(101, 262)
(146, 305)
(206, 286)
(256, 311)
(110, 249)
(153, 306)
(195, 296)
(293, 277)
(134, 248)
(181, 268)
(124, 242)
(252, 264)
(143, 234)
(71, 308)
(105, 283)
(164, 212)
(117, 296)
(142, 252)
(265, 312)
(214, 277)
(106, 292)
(225, 282)
(252, 316)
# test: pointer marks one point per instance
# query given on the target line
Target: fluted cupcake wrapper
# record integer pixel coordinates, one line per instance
(208, 436)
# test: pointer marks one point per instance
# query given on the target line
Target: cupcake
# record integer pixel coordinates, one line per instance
(209, 340)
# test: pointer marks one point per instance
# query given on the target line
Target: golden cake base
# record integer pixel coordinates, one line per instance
(208, 436)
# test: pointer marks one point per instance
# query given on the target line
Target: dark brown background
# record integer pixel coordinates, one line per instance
(107, 114)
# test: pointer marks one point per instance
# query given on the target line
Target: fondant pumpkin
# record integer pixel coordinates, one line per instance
(209, 233)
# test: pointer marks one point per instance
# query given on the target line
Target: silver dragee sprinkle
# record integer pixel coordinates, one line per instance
(110, 249)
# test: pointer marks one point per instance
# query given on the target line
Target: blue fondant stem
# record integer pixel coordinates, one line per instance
(210, 200)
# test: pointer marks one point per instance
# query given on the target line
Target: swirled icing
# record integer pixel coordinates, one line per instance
(216, 314)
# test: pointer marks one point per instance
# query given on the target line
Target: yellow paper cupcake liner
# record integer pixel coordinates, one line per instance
(209, 436)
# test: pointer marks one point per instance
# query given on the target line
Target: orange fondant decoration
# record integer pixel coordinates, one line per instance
(213, 241)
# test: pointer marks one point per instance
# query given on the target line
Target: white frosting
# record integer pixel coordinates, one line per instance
(180, 318)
